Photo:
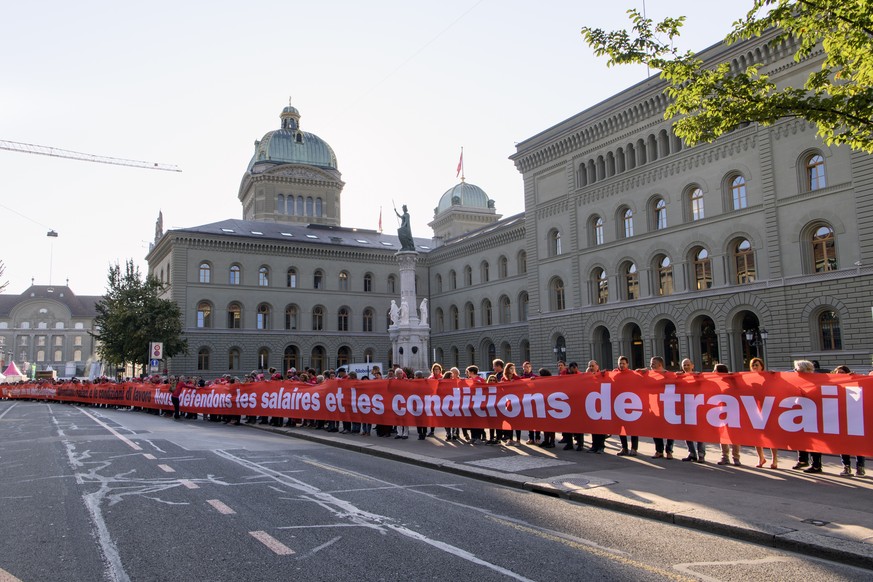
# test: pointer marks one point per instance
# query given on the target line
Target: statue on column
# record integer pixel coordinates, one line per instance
(404, 231)
(422, 311)
(394, 312)
(404, 312)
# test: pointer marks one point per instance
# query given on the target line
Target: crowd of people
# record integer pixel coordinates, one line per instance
(807, 461)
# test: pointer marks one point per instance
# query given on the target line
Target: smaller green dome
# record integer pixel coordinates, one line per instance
(464, 194)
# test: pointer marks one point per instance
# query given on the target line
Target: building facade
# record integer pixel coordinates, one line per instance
(49, 327)
(759, 244)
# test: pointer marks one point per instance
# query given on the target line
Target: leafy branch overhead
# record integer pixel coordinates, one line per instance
(710, 99)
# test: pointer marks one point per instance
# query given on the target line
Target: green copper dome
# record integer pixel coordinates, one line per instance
(464, 194)
(290, 145)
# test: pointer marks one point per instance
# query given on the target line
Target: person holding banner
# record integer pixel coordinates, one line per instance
(757, 365)
(696, 450)
(656, 364)
(624, 366)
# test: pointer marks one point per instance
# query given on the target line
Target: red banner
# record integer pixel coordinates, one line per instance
(817, 412)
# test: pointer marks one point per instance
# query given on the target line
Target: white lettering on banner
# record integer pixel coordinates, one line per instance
(468, 402)
(726, 410)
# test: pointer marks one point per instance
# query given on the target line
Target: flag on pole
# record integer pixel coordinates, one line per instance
(380, 220)
(52, 233)
(460, 164)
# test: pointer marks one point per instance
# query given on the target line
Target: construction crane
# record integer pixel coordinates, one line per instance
(27, 148)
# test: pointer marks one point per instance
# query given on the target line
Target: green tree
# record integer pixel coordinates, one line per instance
(131, 314)
(710, 99)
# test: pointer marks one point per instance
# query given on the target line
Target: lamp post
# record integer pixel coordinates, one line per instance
(560, 353)
(758, 337)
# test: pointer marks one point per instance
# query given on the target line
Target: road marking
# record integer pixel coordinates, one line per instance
(6, 576)
(688, 567)
(189, 484)
(118, 435)
(149, 456)
(167, 468)
(272, 543)
(1, 416)
(220, 507)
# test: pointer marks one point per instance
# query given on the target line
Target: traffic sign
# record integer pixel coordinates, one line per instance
(156, 351)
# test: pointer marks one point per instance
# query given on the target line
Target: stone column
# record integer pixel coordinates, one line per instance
(409, 335)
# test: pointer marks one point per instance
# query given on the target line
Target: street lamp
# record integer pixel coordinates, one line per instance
(758, 337)
(560, 353)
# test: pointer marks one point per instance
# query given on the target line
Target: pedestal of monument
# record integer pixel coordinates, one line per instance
(410, 333)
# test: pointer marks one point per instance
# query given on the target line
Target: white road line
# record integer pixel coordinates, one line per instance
(118, 435)
(1, 416)
(220, 507)
(272, 543)
(149, 456)
(167, 468)
(6, 576)
(189, 484)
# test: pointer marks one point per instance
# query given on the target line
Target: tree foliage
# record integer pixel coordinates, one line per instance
(131, 314)
(711, 99)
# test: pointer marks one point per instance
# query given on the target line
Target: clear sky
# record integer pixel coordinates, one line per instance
(395, 87)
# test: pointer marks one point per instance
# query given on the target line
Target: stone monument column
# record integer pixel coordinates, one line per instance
(409, 334)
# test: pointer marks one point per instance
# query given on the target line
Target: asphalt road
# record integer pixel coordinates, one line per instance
(103, 494)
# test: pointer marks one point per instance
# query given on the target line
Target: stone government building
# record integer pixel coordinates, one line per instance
(760, 243)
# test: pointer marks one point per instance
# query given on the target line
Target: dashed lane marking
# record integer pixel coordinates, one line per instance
(167, 468)
(117, 434)
(278, 547)
(220, 507)
(189, 484)
(149, 456)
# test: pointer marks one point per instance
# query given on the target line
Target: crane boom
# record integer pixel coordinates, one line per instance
(27, 148)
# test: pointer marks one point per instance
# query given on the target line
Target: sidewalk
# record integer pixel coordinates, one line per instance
(822, 515)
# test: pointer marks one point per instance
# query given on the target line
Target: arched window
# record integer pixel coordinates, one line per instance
(487, 318)
(665, 276)
(291, 358)
(368, 317)
(203, 359)
(204, 314)
(318, 279)
(744, 257)
(815, 172)
(309, 206)
(289, 204)
(263, 358)
(598, 230)
(453, 280)
(631, 281)
(234, 316)
(205, 273)
(342, 319)
(627, 221)
(318, 207)
(264, 277)
(601, 285)
(318, 318)
(453, 318)
(392, 284)
(824, 249)
(469, 316)
(556, 294)
(554, 242)
(291, 279)
(738, 193)
(468, 276)
(234, 275)
(502, 267)
(829, 331)
(702, 268)
(522, 262)
(523, 303)
(292, 317)
(316, 358)
(660, 208)
(300, 209)
(695, 199)
(343, 356)
(233, 362)
(440, 320)
(505, 307)
(485, 271)
(368, 283)
(263, 320)
(280, 204)
(344, 281)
